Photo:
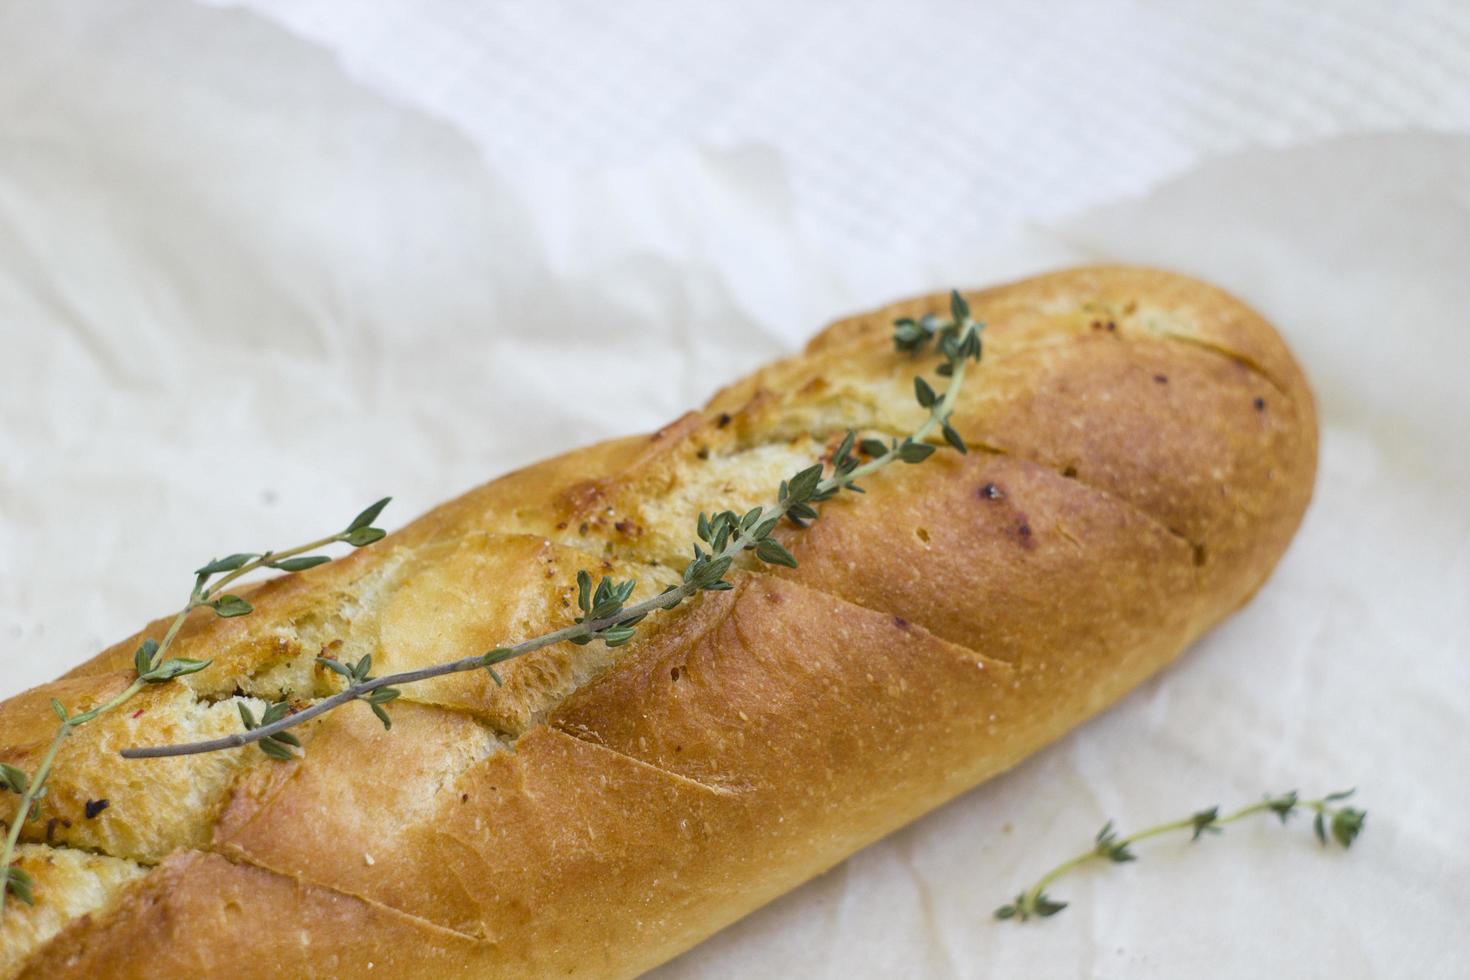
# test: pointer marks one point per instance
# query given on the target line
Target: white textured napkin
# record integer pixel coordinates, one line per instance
(245, 289)
(906, 124)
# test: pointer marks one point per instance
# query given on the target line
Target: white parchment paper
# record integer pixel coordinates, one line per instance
(241, 296)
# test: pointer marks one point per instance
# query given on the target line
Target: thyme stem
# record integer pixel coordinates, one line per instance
(665, 600)
(355, 691)
(729, 535)
(1345, 823)
(268, 558)
(152, 665)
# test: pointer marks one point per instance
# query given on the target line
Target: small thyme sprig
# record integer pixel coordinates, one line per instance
(152, 665)
(724, 536)
(1344, 823)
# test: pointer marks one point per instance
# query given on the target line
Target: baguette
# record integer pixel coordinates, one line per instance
(1143, 447)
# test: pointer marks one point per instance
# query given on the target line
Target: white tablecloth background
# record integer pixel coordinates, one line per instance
(262, 263)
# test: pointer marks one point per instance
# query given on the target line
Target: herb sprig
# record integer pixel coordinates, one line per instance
(1341, 823)
(722, 537)
(153, 665)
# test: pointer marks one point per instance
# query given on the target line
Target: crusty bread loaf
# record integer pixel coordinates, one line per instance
(1143, 448)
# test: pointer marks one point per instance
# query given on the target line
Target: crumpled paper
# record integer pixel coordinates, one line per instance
(241, 296)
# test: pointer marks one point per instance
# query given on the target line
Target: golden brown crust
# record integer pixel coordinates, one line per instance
(198, 915)
(1143, 447)
(69, 884)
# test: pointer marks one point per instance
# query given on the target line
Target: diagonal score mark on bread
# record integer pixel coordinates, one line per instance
(1117, 516)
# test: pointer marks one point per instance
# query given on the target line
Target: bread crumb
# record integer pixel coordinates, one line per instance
(367, 859)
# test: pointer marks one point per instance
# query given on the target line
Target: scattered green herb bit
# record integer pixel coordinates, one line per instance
(228, 606)
(300, 564)
(13, 778)
(369, 514)
(174, 667)
(364, 536)
(229, 564)
(19, 883)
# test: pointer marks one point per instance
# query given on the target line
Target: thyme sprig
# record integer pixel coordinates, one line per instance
(1341, 823)
(722, 537)
(153, 665)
